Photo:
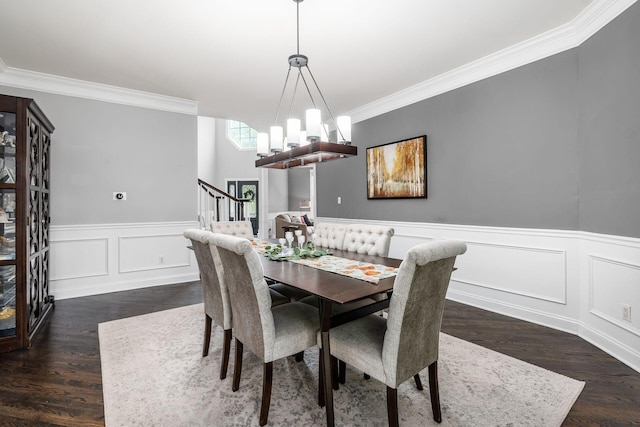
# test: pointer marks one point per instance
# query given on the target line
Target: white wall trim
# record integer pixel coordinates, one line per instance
(496, 275)
(50, 83)
(592, 19)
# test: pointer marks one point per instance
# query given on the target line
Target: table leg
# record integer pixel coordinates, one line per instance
(325, 325)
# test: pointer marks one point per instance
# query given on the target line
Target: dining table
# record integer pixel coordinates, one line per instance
(332, 288)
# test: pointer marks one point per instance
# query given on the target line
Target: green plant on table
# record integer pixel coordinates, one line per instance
(275, 253)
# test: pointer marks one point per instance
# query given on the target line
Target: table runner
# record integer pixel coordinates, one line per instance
(360, 270)
(366, 271)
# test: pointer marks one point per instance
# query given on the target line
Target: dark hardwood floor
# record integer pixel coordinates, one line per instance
(58, 380)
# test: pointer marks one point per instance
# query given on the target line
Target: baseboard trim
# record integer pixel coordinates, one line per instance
(125, 285)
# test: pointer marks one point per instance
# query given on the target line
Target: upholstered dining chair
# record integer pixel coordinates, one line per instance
(271, 333)
(395, 349)
(215, 294)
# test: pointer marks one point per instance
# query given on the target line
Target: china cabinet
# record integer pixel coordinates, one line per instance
(25, 301)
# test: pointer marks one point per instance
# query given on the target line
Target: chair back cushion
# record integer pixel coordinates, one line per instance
(215, 293)
(415, 310)
(368, 239)
(248, 292)
(233, 228)
(330, 235)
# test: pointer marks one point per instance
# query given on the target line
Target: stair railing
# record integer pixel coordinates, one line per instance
(211, 209)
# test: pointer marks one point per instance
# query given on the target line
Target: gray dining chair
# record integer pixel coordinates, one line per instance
(399, 347)
(271, 333)
(215, 294)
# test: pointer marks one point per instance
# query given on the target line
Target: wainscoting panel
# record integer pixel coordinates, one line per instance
(75, 259)
(141, 253)
(523, 270)
(611, 282)
(96, 259)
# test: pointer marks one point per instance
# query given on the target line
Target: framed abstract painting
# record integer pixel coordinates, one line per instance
(398, 170)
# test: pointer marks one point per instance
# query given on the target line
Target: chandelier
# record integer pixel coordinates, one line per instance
(312, 144)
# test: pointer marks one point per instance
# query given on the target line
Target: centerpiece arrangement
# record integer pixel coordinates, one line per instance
(280, 252)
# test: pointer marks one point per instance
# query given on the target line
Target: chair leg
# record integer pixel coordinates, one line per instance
(226, 349)
(342, 372)
(300, 356)
(334, 373)
(207, 335)
(435, 395)
(392, 406)
(321, 401)
(237, 368)
(267, 379)
(416, 377)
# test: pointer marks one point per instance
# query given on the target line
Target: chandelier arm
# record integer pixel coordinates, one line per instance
(284, 88)
(295, 89)
(313, 102)
(333, 119)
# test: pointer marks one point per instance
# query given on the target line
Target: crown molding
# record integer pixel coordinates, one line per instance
(49, 83)
(588, 22)
(598, 14)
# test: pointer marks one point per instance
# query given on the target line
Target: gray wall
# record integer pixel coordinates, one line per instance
(610, 128)
(100, 147)
(299, 187)
(547, 145)
(278, 190)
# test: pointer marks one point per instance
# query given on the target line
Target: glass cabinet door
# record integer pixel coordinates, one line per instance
(7, 300)
(7, 223)
(7, 148)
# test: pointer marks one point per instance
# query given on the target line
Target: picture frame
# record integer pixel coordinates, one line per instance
(398, 170)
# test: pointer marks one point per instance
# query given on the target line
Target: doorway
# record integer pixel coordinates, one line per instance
(245, 189)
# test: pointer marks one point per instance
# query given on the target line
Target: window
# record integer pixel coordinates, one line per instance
(241, 134)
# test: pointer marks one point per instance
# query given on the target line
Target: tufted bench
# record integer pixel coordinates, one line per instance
(233, 228)
(330, 235)
(368, 239)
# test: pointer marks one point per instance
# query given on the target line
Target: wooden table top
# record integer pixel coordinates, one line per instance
(330, 286)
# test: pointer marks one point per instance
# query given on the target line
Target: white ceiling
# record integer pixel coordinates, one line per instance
(231, 55)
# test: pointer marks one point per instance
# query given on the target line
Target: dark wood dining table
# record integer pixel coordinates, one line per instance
(332, 288)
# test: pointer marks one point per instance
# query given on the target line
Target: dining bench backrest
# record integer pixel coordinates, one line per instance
(330, 235)
(368, 239)
(233, 228)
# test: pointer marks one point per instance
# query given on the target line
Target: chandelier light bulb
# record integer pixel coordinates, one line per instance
(277, 139)
(293, 132)
(262, 143)
(313, 123)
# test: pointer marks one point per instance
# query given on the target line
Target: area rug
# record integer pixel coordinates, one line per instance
(153, 374)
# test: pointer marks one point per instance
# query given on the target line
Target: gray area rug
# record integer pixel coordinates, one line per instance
(154, 374)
